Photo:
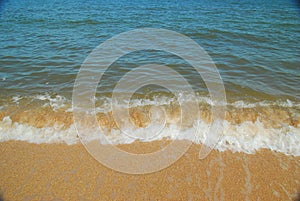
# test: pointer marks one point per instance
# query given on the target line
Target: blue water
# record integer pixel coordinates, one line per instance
(255, 44)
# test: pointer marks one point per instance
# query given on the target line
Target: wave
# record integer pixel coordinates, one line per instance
(246, 137)
(247, 127)
(104, 101)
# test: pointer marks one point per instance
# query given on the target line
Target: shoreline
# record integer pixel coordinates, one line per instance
(68, 172)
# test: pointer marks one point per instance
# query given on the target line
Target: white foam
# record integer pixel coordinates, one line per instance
(246, 137)
(181, 98)
(243, 104)
(16, 99)
(55, 102)
(249, 137)
(15, 131)
(59, 101)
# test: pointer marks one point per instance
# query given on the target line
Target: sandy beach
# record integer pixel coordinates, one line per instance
(140, 76)
(62, 172)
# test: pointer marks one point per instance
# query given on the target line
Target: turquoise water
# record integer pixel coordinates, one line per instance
(255, 45)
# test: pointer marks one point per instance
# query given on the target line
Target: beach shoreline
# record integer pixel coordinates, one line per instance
(157, 80)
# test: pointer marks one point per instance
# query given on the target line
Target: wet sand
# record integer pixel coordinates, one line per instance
(62, 172)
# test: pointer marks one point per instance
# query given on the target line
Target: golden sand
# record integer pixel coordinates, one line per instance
(62, 172)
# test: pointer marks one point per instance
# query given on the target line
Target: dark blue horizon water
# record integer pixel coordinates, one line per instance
(255, 44)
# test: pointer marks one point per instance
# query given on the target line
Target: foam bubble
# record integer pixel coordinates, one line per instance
(56, 102)
(245, 137)
(104, 103)
(16, 99)
(271, 125)
(244, 104)
(55, 134)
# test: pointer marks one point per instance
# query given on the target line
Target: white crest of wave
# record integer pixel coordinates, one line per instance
(246, 137)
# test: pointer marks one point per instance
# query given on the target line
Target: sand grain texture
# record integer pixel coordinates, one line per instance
(62, 172)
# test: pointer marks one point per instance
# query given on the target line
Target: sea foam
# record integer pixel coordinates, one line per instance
(246, 137)
(247, 127)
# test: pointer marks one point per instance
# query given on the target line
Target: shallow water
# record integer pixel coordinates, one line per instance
(255, 47)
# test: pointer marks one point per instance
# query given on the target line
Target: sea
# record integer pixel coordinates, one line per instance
(254, 45)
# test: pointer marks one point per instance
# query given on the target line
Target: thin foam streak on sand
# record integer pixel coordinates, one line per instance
(62, 172)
